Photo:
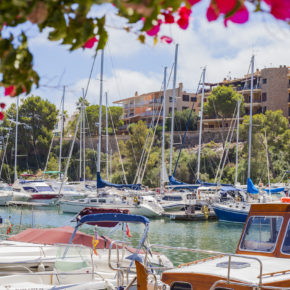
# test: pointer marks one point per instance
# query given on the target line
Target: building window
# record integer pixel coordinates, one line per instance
(289, 97)
(264, 110)
(205, 100)
(170, 99)
(184, 108)
(211, 126)
(185, 98)
(264, 81)
(170, 109)
(288, 111)
(194, 99)
(264, 97)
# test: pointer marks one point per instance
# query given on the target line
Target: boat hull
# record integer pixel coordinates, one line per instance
(5, 198)
(230, 214)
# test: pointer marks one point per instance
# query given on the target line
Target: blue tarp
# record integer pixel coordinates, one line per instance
(182, 185)
(114, 217)
(102, 183)
(251, 188)
(274, 190)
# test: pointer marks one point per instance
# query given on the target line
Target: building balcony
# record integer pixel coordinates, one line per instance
(255, 104)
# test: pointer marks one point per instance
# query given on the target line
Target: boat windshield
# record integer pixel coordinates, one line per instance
(44, 188)
(286, 242)
(261, 233)
(172, 198)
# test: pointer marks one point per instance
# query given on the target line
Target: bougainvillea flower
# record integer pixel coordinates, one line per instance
(168, 17)
(166, 39)
(2, 105)
(155, 29)
(211, 14)
(90, 43)
(280, 9)
(183, 22)
(1, 116)
(184, 11)
(10, 91)
(192, 2)
(184, 14)
(241, 16)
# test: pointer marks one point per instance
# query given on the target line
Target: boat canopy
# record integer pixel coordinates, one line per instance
(251, 188)
(176, 184)
(113, 217)
(102, 183)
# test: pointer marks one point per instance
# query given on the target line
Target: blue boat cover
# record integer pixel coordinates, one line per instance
(183, 185)
(274, 190)
(203, 183)
(251, 188)
(102, 183)
(113, 217)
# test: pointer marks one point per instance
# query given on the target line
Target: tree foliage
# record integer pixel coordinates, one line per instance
(181, 119)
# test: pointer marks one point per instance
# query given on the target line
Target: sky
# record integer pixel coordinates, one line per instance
(130, 66)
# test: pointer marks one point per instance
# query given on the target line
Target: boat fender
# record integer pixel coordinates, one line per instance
(205, 211)
(198, 192)
(285, 199)
(135, 199)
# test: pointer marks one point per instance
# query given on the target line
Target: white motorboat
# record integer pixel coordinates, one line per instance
(6, 193)
(174, 201)
(138, 205)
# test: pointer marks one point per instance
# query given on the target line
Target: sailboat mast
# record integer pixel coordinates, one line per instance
(200, 124)
(251, 117)
(237, 145)
(100, 115)
(163, 134)
(16, 139)
(173, 110)
(61, 132)
(107, 138)
(81, 141)
(84, 137)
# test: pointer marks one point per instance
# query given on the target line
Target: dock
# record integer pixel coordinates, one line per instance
(196, 216)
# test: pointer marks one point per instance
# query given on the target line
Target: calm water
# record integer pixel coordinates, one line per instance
(209, 235)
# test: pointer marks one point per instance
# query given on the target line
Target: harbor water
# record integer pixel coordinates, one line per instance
(207, 235)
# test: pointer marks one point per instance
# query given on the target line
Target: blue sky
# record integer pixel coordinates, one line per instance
(131, 66)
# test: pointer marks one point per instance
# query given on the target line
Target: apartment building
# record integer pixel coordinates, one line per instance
(147, 106)
(271, 92)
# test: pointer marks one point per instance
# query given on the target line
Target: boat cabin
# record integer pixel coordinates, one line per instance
(261, 261)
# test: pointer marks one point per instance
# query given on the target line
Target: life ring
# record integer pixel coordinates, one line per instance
(285, 199)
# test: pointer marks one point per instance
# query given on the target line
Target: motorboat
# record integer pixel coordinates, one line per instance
(174, 201)
(137, 205)
(67, 258)
(261, 260)
(6, 193)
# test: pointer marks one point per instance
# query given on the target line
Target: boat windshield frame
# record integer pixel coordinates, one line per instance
(287, 231)
(247, 227)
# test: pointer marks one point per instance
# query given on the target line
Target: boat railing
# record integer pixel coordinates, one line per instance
(229, 255)
(124, 271)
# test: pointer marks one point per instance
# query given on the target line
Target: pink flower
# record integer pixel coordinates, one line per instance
(10, 91)
(183, 22)
(184, 14)
(2, 105)
(166, 39)
(90, 43)
(280, 9)
(225, 7)
(1, 116)
(192, 2)
(241, 16)
(155, 29)
(168, 17)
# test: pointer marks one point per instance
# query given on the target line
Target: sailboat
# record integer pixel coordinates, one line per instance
(108, 198)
